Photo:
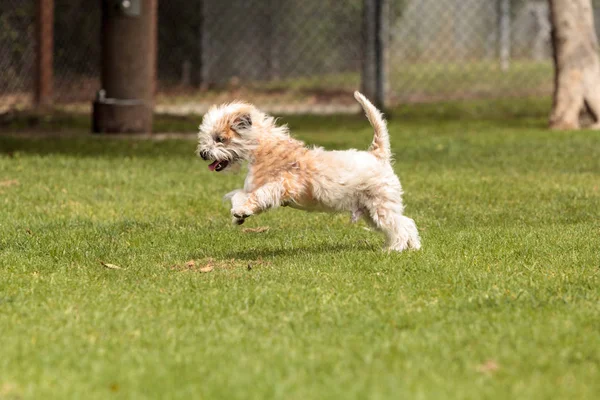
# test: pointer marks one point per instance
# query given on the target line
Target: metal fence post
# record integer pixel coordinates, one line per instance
(273, 63)
(199, 80)
(504, 35)
(44, 35)
(373, 52)
(126, 101)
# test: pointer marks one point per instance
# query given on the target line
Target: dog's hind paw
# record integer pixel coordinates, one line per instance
(356, 214)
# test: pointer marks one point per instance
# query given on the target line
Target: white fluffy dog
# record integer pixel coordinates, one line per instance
(282, 171)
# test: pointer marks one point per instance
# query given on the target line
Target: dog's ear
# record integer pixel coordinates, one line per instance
(241, 123)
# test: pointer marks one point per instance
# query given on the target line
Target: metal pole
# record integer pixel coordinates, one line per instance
(273, 38)
(504, 35)
(198, 63)
(206, 43)
(44, 33)
(125, 102)
(373, 65)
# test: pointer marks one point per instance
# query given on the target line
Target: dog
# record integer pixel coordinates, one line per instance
(283, 171)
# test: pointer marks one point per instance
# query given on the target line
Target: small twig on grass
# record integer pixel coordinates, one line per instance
(110, 266)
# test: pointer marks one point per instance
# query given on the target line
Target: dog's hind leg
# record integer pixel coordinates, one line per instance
(400, 231)
(356, 214)
(406, 234)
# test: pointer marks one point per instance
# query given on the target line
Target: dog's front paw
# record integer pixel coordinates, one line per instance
(240, 214)
(237, 221)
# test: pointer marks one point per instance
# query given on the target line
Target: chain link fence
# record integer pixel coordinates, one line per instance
(17, 53)
(293, 56)
(470, 49)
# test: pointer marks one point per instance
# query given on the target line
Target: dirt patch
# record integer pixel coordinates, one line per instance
(206, 265)
(9, 391)
(9, 183)
(488, 367)
(259, 229)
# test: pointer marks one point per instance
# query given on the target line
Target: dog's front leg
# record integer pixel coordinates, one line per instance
(238, 200)
(245, 204)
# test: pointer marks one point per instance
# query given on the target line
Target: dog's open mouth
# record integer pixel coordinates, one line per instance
(218, 165)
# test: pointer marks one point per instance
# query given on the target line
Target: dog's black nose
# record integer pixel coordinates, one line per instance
(204, 154)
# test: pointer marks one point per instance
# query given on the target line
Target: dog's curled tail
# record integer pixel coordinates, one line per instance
(380, 147)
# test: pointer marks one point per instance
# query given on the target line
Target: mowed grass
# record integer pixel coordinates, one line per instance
(435, 80)
(408, 81)
(503, 301)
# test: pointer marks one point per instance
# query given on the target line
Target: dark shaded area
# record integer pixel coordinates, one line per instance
(66, 133)
(17, 44)
(90, 146)
(33, 121)
(316, 248)
(80, 124)
(511, 112)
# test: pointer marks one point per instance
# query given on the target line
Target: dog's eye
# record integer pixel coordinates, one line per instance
(219, 139)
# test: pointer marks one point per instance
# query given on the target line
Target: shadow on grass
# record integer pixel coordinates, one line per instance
(88, 146)
(515, 113)
(76, 123)
(312, 249)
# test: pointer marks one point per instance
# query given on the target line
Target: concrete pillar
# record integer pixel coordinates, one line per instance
(128, 72)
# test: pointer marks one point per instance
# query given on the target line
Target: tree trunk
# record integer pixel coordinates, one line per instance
(576, 63)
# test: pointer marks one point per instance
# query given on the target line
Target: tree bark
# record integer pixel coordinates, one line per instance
(576, 64)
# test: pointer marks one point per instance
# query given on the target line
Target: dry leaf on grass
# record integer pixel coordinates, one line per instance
(259, 229)
(110, 266)
(10, 182)
(209, 264)
(8, 390)
(205, 265)
(489, 367)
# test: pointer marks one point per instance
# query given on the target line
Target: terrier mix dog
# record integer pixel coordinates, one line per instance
(282, 171)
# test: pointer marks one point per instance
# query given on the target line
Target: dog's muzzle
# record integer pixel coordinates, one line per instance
(204, 155)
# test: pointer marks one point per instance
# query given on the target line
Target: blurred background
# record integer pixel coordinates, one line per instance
(291, 56)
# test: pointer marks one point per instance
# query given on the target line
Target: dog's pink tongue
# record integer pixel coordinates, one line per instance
(213, 165)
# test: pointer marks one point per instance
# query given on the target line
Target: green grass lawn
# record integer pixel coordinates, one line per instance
(502, 302)
(426, 80)
(408, 82)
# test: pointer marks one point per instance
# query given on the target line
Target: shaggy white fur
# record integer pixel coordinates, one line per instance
(282, 171)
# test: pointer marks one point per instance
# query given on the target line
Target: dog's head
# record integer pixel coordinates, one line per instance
(226, 135)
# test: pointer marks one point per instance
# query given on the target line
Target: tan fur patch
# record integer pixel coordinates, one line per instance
(290, 161)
